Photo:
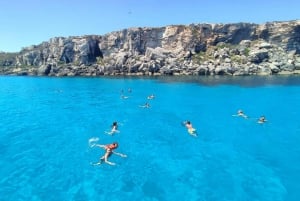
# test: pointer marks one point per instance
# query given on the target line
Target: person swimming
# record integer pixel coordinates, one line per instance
(190, 128)
(150, 97)
(109, 150)
(240, 113)
(146, 105)
(124, 97)
(262, 120)
(114, 128)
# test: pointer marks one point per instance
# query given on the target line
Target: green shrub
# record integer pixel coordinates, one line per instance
(246, 51)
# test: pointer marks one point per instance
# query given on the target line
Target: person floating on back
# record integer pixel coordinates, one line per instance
(190, 128)
(109, 150)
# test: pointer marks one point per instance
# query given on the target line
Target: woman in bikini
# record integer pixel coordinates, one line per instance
(109, 150)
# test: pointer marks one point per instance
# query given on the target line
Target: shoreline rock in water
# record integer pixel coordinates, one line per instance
(196, 49)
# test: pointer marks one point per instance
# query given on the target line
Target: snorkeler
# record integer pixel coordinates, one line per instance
(109, 150)
(190, 128)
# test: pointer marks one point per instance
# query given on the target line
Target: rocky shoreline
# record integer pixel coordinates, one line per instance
(196, 49)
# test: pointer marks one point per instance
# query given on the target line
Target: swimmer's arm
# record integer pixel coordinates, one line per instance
(119, 154)
(99, 145)
(113, 131)
(194, 134)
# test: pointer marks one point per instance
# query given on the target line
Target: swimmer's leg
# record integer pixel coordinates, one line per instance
(95, 163)
(98, 163)
(193, 133)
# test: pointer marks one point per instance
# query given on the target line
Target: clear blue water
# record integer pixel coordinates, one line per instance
(46, 124)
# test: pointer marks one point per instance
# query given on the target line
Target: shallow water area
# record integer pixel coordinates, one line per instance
(46, 124)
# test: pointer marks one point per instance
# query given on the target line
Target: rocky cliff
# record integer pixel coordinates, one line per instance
(196, 49)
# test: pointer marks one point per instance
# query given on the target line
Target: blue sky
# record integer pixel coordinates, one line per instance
(30, 22)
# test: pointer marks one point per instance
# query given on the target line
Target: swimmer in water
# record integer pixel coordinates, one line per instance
(150, 97)
(114, 129)
(146, 105)
(240, 113)
(190, 128)
(262, 120)
(109, 150)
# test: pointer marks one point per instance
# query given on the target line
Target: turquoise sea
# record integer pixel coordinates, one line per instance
(47, 123)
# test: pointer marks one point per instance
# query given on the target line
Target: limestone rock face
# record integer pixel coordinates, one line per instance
(198, 49)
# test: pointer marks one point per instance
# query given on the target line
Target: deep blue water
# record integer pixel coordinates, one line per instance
(46, 124)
